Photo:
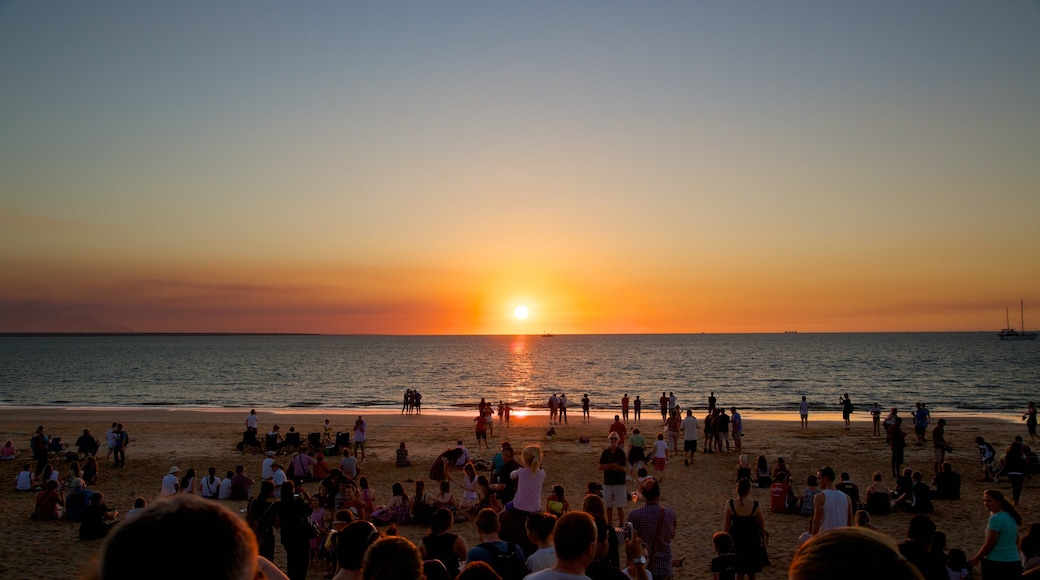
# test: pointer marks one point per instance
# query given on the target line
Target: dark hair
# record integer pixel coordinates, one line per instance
(487, 521)
(743, 486)
(477, 570)
(441, 520)
(393, 558)
(398, 489)
(227, 550)
(575, 532)
(1005, 505)
(353, 541)
(722, 541)
(827, 472)
(812, 481)
(542, 524)
(922, 528)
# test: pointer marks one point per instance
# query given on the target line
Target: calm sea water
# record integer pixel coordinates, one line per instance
(967, 372)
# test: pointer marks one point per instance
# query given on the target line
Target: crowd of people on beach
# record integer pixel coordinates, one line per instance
(324, 512)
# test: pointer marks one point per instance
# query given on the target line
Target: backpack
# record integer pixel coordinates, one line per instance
(509, 565)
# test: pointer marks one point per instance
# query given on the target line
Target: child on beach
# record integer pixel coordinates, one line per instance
(556, 504)
(318, 514)
(660, 456)
(529, 481)
(723, 566)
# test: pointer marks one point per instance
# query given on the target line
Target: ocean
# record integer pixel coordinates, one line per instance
(951, 372)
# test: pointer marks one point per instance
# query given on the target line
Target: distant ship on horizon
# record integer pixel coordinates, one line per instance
(1012, 334)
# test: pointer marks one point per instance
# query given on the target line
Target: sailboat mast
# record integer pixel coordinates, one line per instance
(1022, 307)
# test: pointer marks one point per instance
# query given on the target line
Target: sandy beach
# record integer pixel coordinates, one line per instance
(201, 439)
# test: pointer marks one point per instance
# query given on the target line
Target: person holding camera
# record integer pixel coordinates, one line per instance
(360, 426)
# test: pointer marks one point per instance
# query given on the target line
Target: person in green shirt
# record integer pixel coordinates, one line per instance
(636, 454)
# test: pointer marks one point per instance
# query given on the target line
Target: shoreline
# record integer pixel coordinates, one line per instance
(518, 413)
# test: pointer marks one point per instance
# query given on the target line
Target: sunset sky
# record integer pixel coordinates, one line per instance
(425, 167)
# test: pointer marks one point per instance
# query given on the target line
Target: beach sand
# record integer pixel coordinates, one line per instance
(200, 439)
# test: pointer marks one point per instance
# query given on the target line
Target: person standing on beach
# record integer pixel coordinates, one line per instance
(612, 462)
(875, 414)
(481, 430)
(939, 445)
(553, 401)
(897, 441)
(846, 410)
(672, 429)
(252, 422)
(803, 412)
(619, 428)
(737, 425)
(562, 403)
(585, 416)
(637, 407)
(122, 441)
(690, 428)
(656, 524)
(712, 401)
(671, 402)
(624, 408)
(39, 444)
(664, 406)
(110, 441)
(920, 416)
(360, 427)
(1030, 418)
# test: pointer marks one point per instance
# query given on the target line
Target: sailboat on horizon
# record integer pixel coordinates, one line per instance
(1012, 334)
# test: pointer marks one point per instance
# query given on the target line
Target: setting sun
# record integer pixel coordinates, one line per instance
(521, 312)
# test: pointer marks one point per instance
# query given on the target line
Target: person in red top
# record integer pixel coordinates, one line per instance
(624, 407)
(664, 407)
(619, 428)
(50, 503)
(320, 470)
(779, 494)
(481, 430)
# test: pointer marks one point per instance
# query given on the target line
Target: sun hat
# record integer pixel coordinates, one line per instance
(174, 469)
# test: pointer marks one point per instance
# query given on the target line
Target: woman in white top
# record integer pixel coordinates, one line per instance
(469, 487)
(529, 480)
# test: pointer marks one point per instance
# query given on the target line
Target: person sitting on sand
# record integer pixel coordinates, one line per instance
(402, 456)
(87, 444)
(947, 483)
(444, 498)
(809, 492)
(97, 518)
(781, 498)
(879, 498)
(50, 503)
(24, 480)
(90, 470)
(8, 452)
(781, 467)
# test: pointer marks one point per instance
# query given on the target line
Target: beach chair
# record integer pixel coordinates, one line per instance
(291, 443)
(342, 439)
(271, 442)
(314, 439)
(249, 442)
(56, 449)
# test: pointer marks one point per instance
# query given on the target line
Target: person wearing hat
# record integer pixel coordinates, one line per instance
(266, 467)
(170, 483)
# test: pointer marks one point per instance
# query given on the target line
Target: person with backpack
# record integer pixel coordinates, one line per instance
(506, 558)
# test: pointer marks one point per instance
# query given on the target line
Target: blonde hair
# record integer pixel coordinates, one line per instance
(532, 457)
